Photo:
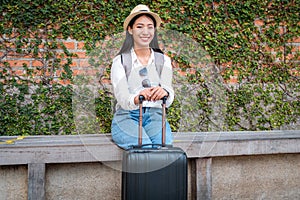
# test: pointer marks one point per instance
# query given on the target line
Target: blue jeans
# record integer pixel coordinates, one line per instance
(125, 126)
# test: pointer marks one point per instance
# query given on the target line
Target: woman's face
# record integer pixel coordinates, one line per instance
(142, 32)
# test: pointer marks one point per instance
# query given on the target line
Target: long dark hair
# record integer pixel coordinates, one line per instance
(128, 42)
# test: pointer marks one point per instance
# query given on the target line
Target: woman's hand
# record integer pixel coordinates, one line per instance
(151, 94)
(157, 93)
(146, 93)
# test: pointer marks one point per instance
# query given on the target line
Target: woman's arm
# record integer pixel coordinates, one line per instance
(166, 81)
(120, 86)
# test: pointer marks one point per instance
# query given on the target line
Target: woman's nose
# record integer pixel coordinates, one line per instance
(146, 31)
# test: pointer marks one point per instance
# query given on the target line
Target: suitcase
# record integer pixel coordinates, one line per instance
(154, 173)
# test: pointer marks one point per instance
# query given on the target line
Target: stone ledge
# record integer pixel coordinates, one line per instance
(100, 148)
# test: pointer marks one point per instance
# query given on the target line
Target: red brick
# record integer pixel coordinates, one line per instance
(296, 48)
(18, 63)
(90, 72)
(76, 72)
(80, 45)
(295, 72)
(81, 54)
(19, 72)
(64, 82)
(69, 45)
(233, 80)
(84, 63)
(181, 73)
(291, 57)
(259, 22)
(105, 81)
(73, 64)
(37, 63)
(41, 46)
(281, 30)
(297, 40)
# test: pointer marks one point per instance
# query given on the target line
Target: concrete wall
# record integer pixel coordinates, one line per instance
(241, 177)
(252, 175)
(256, 177)
(82, 181)
(13, 182)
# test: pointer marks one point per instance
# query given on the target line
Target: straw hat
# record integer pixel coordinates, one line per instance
(140, 9)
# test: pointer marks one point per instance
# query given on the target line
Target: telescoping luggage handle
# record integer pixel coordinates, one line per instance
(163, 136)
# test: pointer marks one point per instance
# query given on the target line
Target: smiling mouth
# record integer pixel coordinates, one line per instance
(145, 39)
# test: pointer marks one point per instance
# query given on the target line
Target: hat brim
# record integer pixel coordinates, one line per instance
(130, 17)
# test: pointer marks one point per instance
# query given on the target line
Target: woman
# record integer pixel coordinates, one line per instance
(144, 79)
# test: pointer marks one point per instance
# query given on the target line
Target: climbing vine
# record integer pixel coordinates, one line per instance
(253, 44)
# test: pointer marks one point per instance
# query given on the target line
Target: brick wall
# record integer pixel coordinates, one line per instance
(80, 60)
(10, 56)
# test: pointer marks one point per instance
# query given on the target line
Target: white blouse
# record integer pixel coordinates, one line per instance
(125, 90)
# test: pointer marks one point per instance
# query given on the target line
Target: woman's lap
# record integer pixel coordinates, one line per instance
(125, 127)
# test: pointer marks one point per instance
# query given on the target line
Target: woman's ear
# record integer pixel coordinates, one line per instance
(129, 30)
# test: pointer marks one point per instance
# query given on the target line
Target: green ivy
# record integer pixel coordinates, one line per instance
(262, 57)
